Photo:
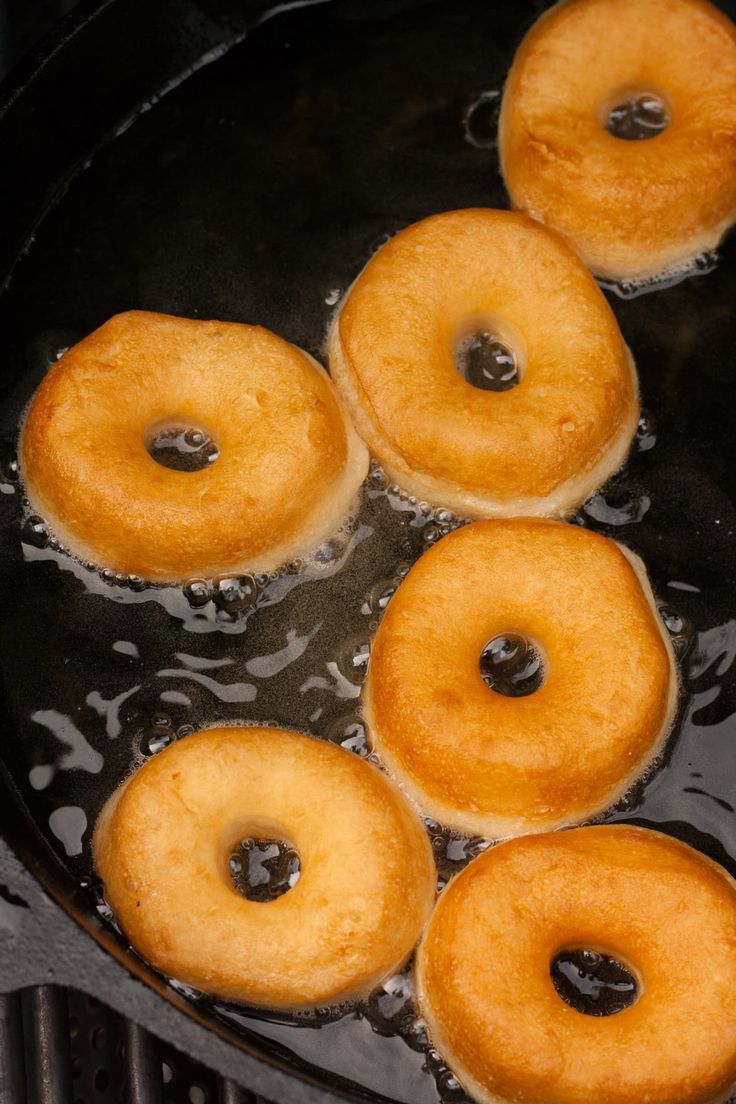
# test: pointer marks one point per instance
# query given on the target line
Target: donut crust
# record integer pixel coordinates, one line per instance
(631, 209)
(540, 448)
(664, 910)
(367, 884)
(290, 462)
(498, 766)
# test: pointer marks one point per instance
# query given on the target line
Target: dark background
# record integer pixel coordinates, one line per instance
(22, 23)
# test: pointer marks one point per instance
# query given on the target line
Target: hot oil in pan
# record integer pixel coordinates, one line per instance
(255, 192)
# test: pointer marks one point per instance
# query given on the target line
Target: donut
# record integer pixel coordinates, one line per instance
(367, 885)
(470, 754)
(653, 904)
(289, 461)
(409, 351)
(631, 209)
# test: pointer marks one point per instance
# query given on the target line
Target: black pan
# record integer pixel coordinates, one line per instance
(254, 190)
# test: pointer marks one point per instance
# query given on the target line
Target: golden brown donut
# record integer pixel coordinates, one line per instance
(631, 209)
(289, 466)
(541, 447)
(367, 884)
(659, 907)
(498, 766)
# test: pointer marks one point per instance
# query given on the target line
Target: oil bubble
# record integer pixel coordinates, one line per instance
(235, 593)
(378, 597)
(198, 592)
(153, 742)
(679, 628)
(352, 659)
(9, 468)
(646, 436)
(701, 265)
(617, 505)
(35, 531)
(480, 121)
(349, 732)
(389, 1007)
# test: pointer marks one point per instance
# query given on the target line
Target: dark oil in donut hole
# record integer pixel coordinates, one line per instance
(511, 665)
(486, 362)
(230, 182)
(264, 869)
(183, 448)
(592, 983)
(637, 118)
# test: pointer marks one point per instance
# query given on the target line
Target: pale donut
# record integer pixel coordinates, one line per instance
(540, 448)
(290, 462)
(659, 907)
(631, 209)
(367, 883)
(500, 766)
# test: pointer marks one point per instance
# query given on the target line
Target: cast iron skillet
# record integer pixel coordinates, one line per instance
(254, 191)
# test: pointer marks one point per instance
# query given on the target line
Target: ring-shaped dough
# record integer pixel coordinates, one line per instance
(290, 462)
(540, 448)
(659, 907)
(631, 209)
(367, 882)
(498, 766)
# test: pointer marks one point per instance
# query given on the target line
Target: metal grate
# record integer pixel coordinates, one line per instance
(60, 1046)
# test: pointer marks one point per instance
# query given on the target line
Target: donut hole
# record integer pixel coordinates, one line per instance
(592, 982)
(511, 664)
(263, 869)
(181, 447)
(487, 354)
(635, 115)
